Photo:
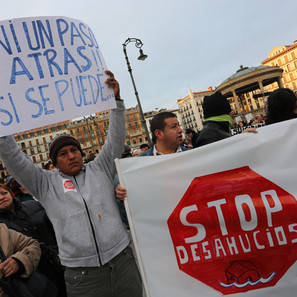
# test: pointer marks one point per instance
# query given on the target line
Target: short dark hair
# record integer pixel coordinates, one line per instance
(281, 104)
(188, 131)
(144, 145)
(158, 122)
(47, 165)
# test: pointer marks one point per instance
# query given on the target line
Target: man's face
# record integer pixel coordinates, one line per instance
(172, 133)
(69, 160)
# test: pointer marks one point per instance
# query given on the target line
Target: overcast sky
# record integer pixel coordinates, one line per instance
(191, 44)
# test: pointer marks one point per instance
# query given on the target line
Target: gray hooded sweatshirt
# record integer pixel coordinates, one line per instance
(82, 208)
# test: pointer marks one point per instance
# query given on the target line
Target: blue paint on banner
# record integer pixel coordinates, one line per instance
(60, 49)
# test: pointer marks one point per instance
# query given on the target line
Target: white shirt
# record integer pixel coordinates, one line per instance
(156, 153)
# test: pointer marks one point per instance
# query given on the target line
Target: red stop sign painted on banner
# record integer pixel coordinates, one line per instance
(235, 231)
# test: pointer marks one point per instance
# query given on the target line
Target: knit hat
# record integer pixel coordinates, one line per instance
(215, 105)
(60, 141)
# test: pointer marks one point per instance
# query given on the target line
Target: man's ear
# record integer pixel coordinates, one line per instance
(159, 133)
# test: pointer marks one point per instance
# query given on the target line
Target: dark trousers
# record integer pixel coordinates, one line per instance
(117, 278)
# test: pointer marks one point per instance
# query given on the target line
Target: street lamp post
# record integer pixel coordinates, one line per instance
(142, 56)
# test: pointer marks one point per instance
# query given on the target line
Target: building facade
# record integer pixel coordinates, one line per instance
(35, 143)
(190, 108)
(91, 131)
(135, 133)
(285, 57)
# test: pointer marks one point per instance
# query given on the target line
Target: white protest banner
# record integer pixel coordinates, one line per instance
(220, 219)
(51, 70)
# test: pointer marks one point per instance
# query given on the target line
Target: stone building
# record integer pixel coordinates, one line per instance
(35, 143)
(190, 108)
(285, 57)
(135, 133)
(91, 131)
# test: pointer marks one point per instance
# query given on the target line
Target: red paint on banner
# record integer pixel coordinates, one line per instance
(68, 185)
(235, 231)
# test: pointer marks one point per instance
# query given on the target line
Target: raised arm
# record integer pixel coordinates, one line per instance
(114, 144)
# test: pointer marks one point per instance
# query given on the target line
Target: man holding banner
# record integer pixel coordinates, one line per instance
(79, 200)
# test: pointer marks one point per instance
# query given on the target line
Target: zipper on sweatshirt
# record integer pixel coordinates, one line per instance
(91, 223)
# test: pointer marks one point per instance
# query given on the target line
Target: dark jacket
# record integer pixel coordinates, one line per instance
(150, 151)
(25, 197)
(30, 219)
(194, 139)
(213, 131)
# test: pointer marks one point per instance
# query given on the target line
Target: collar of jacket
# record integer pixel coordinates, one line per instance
(221, 118)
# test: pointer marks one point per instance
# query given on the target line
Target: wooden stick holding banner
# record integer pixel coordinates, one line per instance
(133, 233)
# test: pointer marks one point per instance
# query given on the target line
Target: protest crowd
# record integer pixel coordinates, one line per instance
(94, 255)
(64, 230)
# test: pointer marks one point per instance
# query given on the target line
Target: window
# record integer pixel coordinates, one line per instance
(289, 67)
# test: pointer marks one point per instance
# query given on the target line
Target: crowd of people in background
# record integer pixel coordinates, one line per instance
(35, 204)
